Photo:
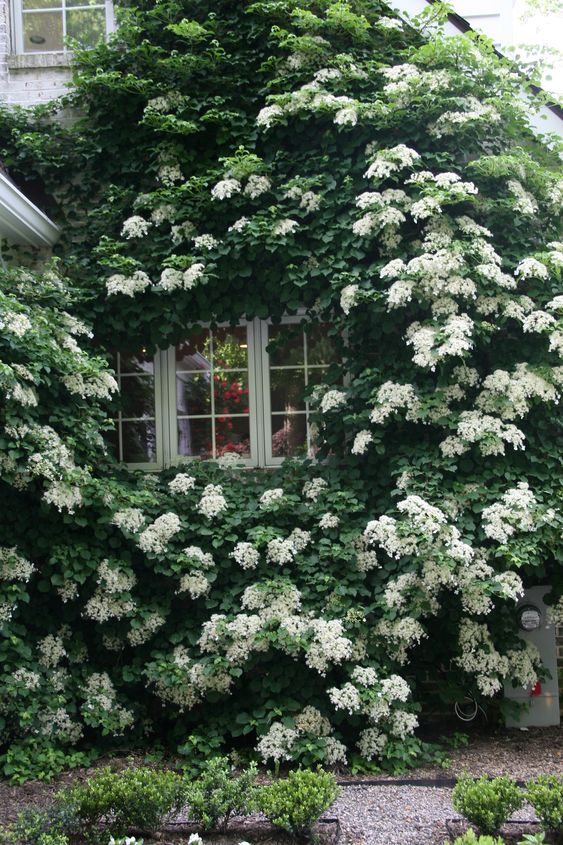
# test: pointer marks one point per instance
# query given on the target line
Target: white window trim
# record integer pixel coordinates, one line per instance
(17, 27)
(260, 417)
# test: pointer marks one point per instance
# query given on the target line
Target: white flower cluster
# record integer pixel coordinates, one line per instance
(525, 202)
(256, 186)
(145, 628)
(488, 432)
(203, 559)
(473, 111)
(51, 650)
(349, 298)
(431, 345)
(171, 279)
(281, 551)
(99, 694)
(329, 645)
(361, 442)
(100, 386)
(18, 324)
(135, 227)
(154, 539)
(515, 512)
(14, 567)
(329, 520)
(388, 161)
(510, 394)
(127, 285)
(271, 497)
(129, 519)
(182, 483)
(245, 555)
(332, 400)
(196, 584)
(212, 501)
(312, 489)
(284, 227)
(225, 189)
(392, 397)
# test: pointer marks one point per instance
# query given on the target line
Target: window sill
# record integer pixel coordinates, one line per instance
(39, 60)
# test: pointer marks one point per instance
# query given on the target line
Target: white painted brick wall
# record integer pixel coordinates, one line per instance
(30, 79)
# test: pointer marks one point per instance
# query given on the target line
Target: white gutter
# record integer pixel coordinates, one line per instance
(21, 222)
(542, 121)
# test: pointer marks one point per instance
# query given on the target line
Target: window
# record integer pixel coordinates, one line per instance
(230, 389)
(42, 26)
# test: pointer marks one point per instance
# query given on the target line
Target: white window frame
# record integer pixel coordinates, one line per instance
(17, 25)
(158, 417)
(260, 417)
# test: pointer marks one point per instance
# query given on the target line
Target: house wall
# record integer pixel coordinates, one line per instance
(493, 17)
(27, 80)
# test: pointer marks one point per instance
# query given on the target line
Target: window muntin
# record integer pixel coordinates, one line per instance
(231, 389)
(42, 26)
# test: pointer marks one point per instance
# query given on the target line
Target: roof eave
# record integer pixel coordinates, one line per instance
(21, 222)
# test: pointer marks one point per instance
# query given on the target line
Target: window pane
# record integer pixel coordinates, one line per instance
(316, 375)
(42, 4)
(231, 392)
(285, 345)
(138, 362)
(87, 26)
(195, 438)
(112, 442)
(286, 390)
(321, 348)
(139, 442)
(194, 353)
(42, 32)
(137, 396)
(289, 435)
(193, 393)
(230, 348)
(232, 434)
(83, 3)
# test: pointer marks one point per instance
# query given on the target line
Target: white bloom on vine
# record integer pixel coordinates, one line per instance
(182, 483)
(425, 207)
(371, 743)
(284, 227)
(277, 744)
(168, 174)
(525, 202)
(329, 644)
(555, 304)
(514, 512)
(256, 186)
(346, 698)
(392, 397)
(245, 555)
(556, 343)
(473, 112)
(390, 160)
(203, 559)
(422, 515)
(170, 279)
(329, 520)
(268, 116)
(310, 201)
(212, 501)
(127, 285)
(18, 324)
(225, 189)
(348, 297)
(348, 116)
(312, 489)
(400, 293)
(154, 539)
(25, 395)
(63, 496)
(192, 275)
(281, 551)
(403, 723)
(205, 242)
(129, 519)
(389, 23)
(332, 400)
(393, 269)
(270, 497)
(361, 442)
(538, 321)
(182, 232)
(300, 539)
(239, 224)
(195, 583)
(135, 227)
(531, 268)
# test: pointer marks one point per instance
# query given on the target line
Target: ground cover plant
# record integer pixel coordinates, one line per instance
(243, 160)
